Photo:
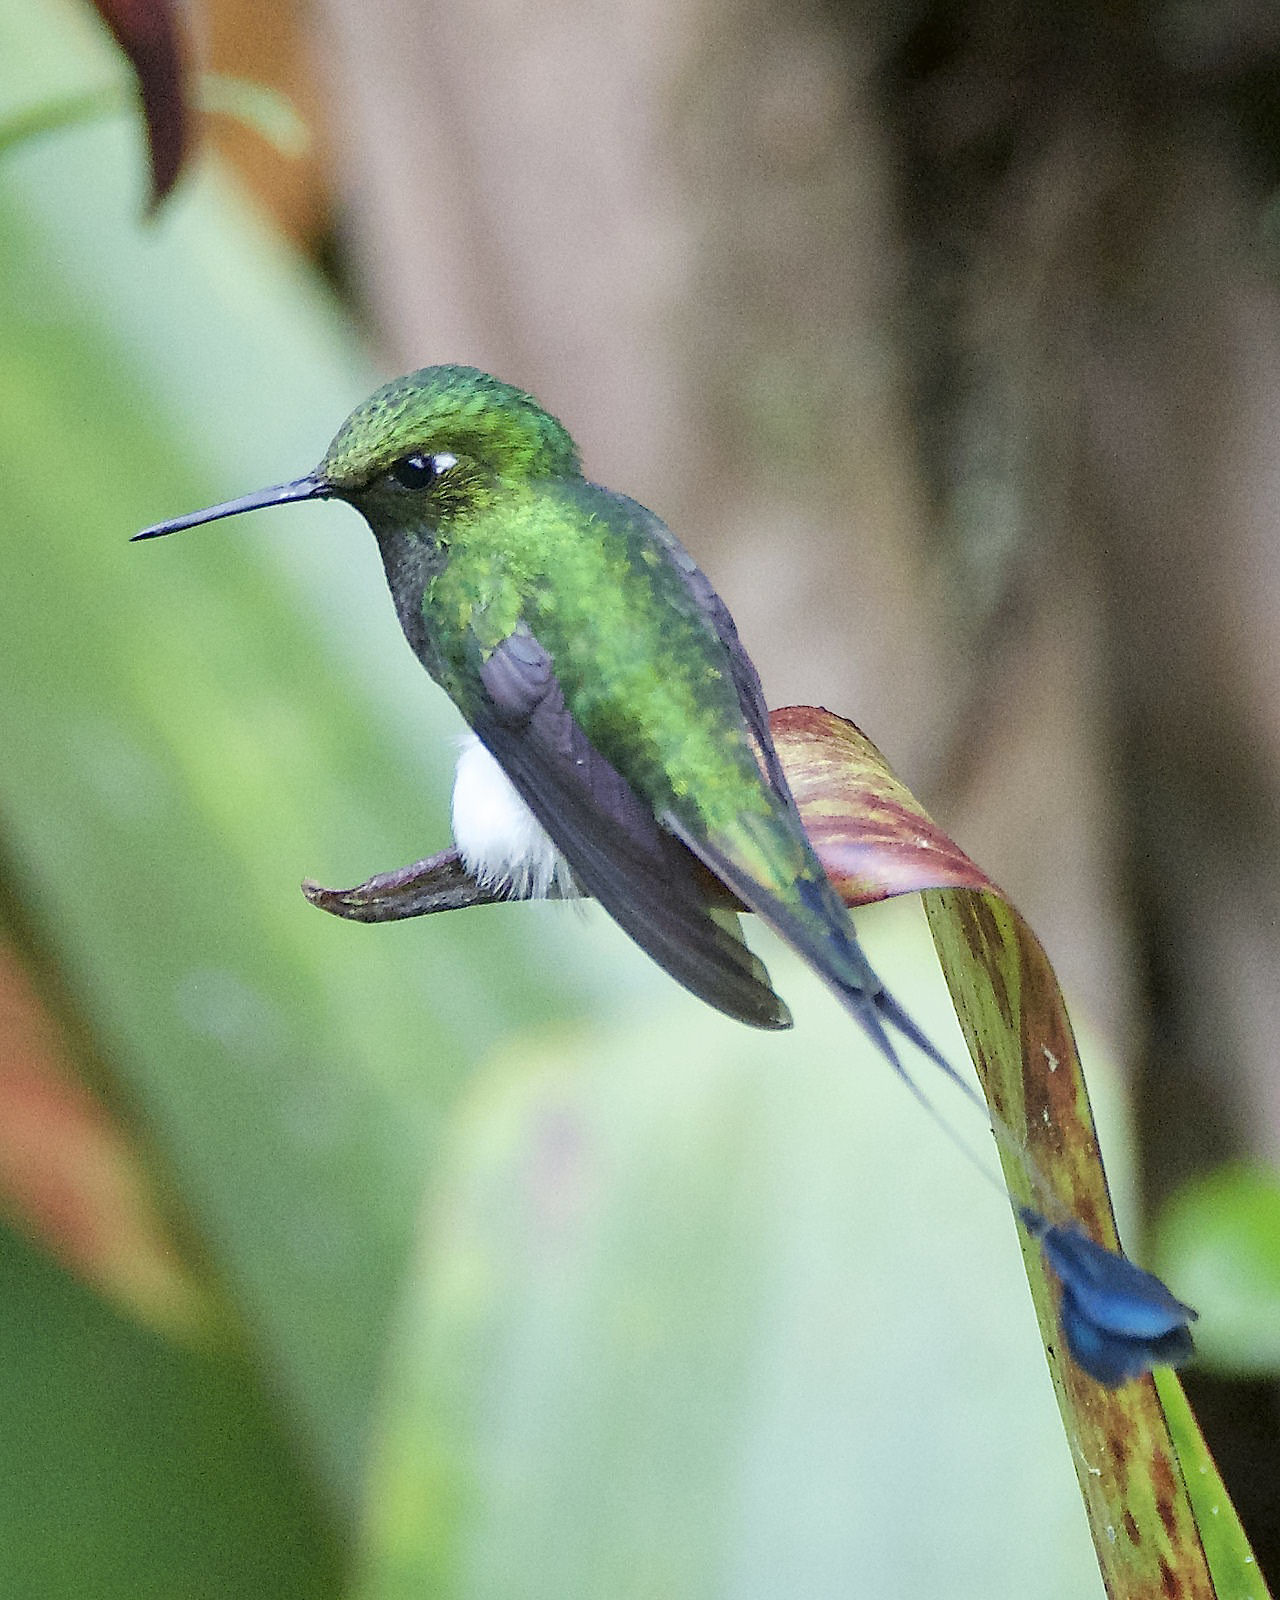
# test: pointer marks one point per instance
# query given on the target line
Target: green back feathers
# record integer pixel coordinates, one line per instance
(450, 408)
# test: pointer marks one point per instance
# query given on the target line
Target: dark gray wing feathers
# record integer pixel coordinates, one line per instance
(647, 880)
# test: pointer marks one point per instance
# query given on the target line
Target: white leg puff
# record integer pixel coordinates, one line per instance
(501, 843)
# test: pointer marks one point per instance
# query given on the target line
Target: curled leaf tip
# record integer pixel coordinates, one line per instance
(438, 883)
(871, 834)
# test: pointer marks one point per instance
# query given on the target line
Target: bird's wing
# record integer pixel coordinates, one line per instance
(769, 862)
(647, 880)
(742, 670)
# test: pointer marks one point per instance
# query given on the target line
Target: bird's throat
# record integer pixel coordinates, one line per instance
(410, 562)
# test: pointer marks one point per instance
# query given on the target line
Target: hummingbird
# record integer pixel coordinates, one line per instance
(620, 740)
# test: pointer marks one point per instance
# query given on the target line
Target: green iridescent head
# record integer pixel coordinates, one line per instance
(454, 438)
(455, 410)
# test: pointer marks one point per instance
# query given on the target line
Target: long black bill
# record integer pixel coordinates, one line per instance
(279, 494)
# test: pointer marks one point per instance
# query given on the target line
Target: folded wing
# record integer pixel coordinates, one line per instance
(648, 881)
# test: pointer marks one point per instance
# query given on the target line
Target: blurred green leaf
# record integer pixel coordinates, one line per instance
(185, 747)
(73, 1179)
(132, 1469)
(1220, 1235)
(52, 115)
(716, 1314)
(271, 115)
(1232, 1562)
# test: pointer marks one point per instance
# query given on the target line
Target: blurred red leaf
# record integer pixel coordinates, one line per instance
(71, 1176)
(876, 840)
(150, 36)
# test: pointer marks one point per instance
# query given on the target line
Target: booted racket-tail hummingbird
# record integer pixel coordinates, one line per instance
(621, 736)
(621, 741)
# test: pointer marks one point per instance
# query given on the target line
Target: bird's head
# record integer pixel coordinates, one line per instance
(423, 450)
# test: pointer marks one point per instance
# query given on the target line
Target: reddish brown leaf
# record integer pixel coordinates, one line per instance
(71, 1177)
(874, 838)
(150, 36)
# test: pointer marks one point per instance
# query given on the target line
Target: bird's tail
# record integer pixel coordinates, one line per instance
(815, 922)
(822, 931)
(1119, 1321)
(827, 940)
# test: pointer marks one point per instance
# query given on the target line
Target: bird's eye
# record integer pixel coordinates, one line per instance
(420, 472)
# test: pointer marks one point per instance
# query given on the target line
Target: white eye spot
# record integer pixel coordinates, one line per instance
(443, 460)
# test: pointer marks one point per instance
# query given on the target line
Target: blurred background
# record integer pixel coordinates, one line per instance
(466, 1256)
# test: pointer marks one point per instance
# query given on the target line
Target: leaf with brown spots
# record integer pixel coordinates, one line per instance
(1149, 1484)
